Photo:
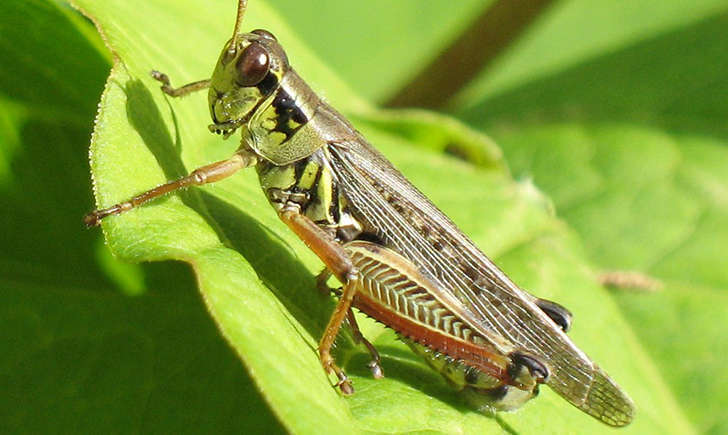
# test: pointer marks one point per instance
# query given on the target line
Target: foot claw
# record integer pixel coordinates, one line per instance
(345, 386)
(91, 220)
(160, 77)
(376, 369)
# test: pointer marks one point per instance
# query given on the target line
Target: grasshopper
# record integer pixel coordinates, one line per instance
(400, 260)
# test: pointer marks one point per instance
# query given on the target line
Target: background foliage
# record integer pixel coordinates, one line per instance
(611, 120)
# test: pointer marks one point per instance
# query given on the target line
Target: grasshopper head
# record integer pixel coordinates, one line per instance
(250, 68)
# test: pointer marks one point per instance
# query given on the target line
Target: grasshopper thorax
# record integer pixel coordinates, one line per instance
(249, 70)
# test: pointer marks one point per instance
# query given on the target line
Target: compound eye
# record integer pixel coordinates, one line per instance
(264, 34)
(252, 65)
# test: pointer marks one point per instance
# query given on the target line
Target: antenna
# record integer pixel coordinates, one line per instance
(242, 6)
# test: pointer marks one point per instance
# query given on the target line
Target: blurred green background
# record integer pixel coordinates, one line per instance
(615, 111)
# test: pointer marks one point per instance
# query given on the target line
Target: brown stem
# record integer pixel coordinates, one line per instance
(488, 35)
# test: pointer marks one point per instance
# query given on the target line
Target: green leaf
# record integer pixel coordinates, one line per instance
(631, 144)
(257, 279)
(82, 355)
(575, 31)
(78, 355)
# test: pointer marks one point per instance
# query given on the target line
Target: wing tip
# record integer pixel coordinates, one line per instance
(607, 402)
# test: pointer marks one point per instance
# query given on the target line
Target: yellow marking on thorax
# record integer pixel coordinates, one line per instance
(319, 209)
(308, 177)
